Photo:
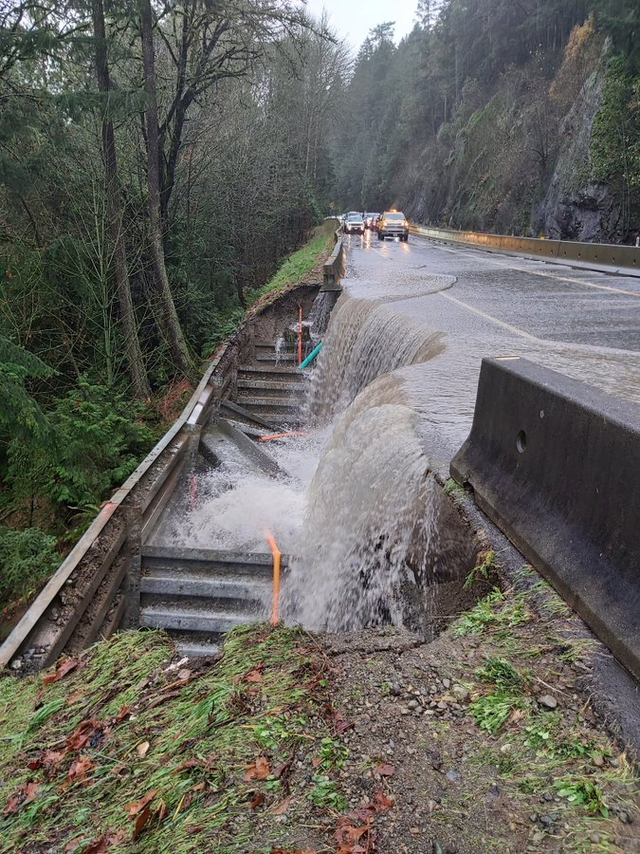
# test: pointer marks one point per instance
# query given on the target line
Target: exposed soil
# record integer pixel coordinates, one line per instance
(458, 787)
(484, 740)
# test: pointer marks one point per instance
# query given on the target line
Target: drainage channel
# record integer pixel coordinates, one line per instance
(332, 467)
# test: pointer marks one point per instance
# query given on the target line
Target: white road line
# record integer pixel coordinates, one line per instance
(546, 275)
(493, 319)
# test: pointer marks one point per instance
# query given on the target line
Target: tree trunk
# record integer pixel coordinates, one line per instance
(173, 332)
(135, 361)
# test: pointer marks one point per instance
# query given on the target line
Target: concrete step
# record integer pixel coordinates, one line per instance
(270, 357)
(174, 561)
(193, 618)
(284, 420)
(196, 645)
(256, 404)
(157, 583)
(272, 386)
(284, 372)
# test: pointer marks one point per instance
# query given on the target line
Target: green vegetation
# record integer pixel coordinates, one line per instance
(121, 267)
(581, 792)
(551, 756)
(487, 102)
(291, 271)
(495, 613)
(27, 557)
(615, 145)
(124, 749)
(484, 568)
(492, 711)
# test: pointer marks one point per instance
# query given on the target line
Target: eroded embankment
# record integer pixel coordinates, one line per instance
(368, 742)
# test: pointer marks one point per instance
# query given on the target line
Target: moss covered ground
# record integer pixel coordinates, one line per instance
(124, 753)
(486, 739)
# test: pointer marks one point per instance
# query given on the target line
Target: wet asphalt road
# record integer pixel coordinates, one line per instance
(583, 323)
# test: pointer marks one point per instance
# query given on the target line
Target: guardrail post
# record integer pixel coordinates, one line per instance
(133, 545)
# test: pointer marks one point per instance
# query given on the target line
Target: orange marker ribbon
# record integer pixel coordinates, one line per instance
(277, 558)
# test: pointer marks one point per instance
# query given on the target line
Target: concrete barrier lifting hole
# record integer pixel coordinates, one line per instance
(555, 464)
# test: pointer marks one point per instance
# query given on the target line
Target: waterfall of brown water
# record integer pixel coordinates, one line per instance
(365, 340)
(372, 546)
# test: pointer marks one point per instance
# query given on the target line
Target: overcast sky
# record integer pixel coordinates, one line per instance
(354, 18)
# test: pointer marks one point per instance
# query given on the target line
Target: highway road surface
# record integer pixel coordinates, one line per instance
(583, 323)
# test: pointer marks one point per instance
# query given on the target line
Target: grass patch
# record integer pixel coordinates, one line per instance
(492, 711)
(297, 265)
(582, 792)
(291, 272)
(486, 565)
(126, 751)
(495, 612)
(502, 673)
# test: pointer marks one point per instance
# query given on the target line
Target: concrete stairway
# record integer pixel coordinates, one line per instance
(274, 392)
(197, 595)
(266, 352)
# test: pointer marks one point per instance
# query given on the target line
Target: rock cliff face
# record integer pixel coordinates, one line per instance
(573, 207)
(522, 163)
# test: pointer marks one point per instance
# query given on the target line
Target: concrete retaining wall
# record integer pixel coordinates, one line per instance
(556, 465)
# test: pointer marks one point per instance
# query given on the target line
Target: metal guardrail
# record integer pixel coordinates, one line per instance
(335, 267)
(613, 257)
(96, 589)
(130, 511)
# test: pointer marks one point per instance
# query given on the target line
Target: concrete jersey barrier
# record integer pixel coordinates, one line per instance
(555, 464)
(611, 257)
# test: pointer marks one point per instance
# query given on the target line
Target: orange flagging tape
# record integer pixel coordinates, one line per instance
(277, 557)
(278, 436)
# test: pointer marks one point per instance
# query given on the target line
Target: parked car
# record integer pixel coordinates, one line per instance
(353, 223)
(393, 224)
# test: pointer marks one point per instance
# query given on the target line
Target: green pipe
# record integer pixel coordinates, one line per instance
(310, 357)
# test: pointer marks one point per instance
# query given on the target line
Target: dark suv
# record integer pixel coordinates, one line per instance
(393, 224)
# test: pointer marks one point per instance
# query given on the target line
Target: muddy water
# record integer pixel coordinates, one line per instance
(366, 339)
(392, 400)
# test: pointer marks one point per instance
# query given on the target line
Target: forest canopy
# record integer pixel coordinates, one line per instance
(159, 160)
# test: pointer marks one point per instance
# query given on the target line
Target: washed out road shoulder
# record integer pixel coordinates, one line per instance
(480, 741)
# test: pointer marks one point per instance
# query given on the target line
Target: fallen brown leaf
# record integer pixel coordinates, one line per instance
(384, 770)
(195, 762)
(259, 770)
(90, 730)
(282, 770)
(66, 665)
(141, 821)
(78, 772)
(257, 800)
(137, 806)
(281, 808)
(341, 723)
(101, 844)
(349, 833)
(515, 716)
(163, 698)
(142, 749)
(24, 794)
(382, 802)
(124, 712)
